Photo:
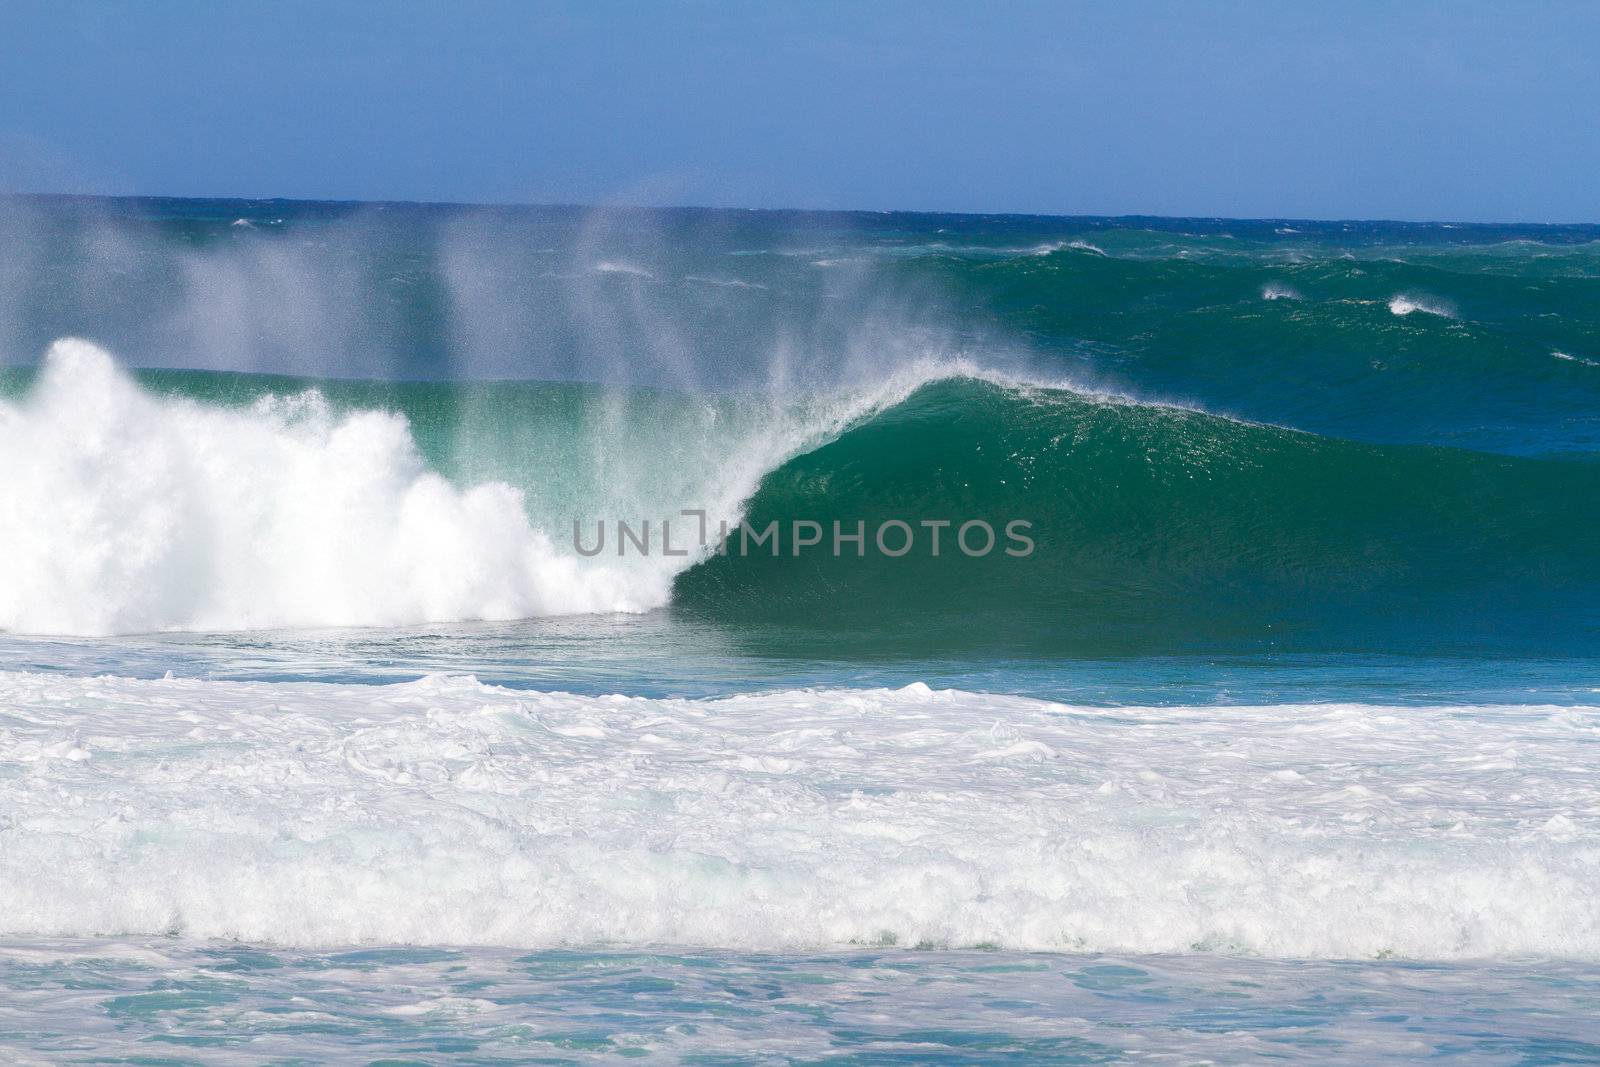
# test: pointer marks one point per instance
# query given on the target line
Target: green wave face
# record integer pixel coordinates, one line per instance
(1161, 530)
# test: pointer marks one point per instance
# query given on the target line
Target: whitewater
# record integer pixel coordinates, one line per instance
(445, 811)
(123, 512)
(446, 868)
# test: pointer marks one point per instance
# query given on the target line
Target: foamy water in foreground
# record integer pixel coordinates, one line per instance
(445, 811)
(790, 874)
(448, 812)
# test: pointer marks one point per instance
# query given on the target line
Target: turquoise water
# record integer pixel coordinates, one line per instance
(320, 741)
(653, 655)
(157, 1003)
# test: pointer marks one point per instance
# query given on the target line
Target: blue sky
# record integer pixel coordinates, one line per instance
(1463, 111)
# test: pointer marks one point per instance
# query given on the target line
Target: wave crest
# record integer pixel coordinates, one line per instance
(1403, 305)
(126, 511)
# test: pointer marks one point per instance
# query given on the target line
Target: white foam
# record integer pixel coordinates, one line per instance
(615, 267)
(444, 811)
(1051, 247)
(1407, 305)
(1279, 291)
(123, 511)
(1576, 359)
(724, 283)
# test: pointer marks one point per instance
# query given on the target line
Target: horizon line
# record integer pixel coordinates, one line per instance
(866, 212)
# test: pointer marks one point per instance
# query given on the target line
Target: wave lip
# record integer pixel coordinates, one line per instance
(448, 812)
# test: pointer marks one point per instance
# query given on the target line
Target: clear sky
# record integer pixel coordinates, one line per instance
(1411, 110)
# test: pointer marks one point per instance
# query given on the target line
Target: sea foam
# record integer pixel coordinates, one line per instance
(1403, 305)
(446, 811)
(124, 511)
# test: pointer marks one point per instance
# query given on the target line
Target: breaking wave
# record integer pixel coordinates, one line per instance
(190, 501)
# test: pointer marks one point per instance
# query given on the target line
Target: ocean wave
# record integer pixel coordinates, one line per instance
(1076, 244)
(1568, 357)
(125, 509)
(448, 812)
(1403, 305)
(132, 508)
(1279, 291)
(1163, 529)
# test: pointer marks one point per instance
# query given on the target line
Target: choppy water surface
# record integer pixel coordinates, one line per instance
(169, 1002)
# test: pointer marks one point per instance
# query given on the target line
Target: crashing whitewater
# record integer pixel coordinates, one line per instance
(445, 811)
